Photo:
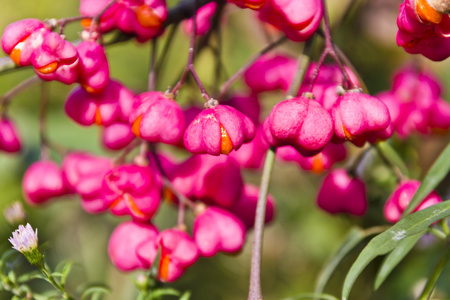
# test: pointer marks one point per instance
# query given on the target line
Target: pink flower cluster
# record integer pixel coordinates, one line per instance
(415, 102)
(423, 29)
(298, 20)
(9, 137)
(31, 42)
(143, 18)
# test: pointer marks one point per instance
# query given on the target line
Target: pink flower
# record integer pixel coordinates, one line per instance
(156, 117)
(55, 59)
(359, 117)
(93, 70)
(400, 198)
(42, 181)
(117, 136)
(218, 130)
(423, 30)
(341, 193)
(83, 174)
(111, 106)
(217, 230)
(301, 123)
(271, 72)
(16, 42)
(215, 180)
(331, 154)
(245, 208)
(297, 19)
(144, 18)
(252, 4)
(178, 252)
(203, 19)
(9, 138)
(132, 190)
(126, 242)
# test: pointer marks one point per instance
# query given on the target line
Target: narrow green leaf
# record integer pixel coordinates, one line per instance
(65, 271)
(395, 257)
(93, 291)
(8, 253)
(186, 296)
(165, 291)
(57, 274)
(308, 296)
(354, 237)
(27, 277)
(12, 276)
(434, 176)
(392, 156)
(392, 237)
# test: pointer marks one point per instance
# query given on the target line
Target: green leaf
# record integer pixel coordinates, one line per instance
(308, 296)
(186, 296)
(392, 237)
(395, 257)
(434, 176)
(392, 156)
(12, 276)
(95, 290)
(65, 271)
(354, 237)
(27, 277)
(165, 291)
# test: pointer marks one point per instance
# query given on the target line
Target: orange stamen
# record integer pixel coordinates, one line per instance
(255, 6)
(347, 134)
(136, 127)
(147, 17)
(98, 117)
(225, 142)
(427, 13)
(317, 165)
(133, 207)
(50, 68)
(164, 267)
(86, 23)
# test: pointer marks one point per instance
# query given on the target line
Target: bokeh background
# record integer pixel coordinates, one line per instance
(300, 240)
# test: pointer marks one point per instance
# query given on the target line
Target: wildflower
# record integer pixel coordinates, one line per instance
(25, 241)
(14, 213)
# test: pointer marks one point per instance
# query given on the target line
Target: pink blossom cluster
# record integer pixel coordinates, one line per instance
(422, 29)
(9, 136)
(143, 18)
(415, 102)
(31, 42)
(224, 210)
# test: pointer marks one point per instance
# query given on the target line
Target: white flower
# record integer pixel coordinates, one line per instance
(14, 213)
(24, 239)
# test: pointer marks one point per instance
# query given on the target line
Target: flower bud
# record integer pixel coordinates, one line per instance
(42, 181)
(400, 198)
(301, 123)
(203, 19)
(9, 139)
(178, 252)
(218, 130)
(126, 241)
(218, 230)
(93, 69)
(156, 117)
(341, 193)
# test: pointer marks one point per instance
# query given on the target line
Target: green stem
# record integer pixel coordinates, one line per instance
(52, 280)
(429, 287)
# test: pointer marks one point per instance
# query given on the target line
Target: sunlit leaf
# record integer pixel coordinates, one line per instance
(434, 176)
(28, 276)
(395, 257)
(165, 292)
(186, 296)
(93, 291)
(65, 271)
(392, 237)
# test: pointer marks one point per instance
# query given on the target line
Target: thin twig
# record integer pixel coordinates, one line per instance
(9, 95)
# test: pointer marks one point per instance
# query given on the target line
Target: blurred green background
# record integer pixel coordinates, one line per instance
(301, 239)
